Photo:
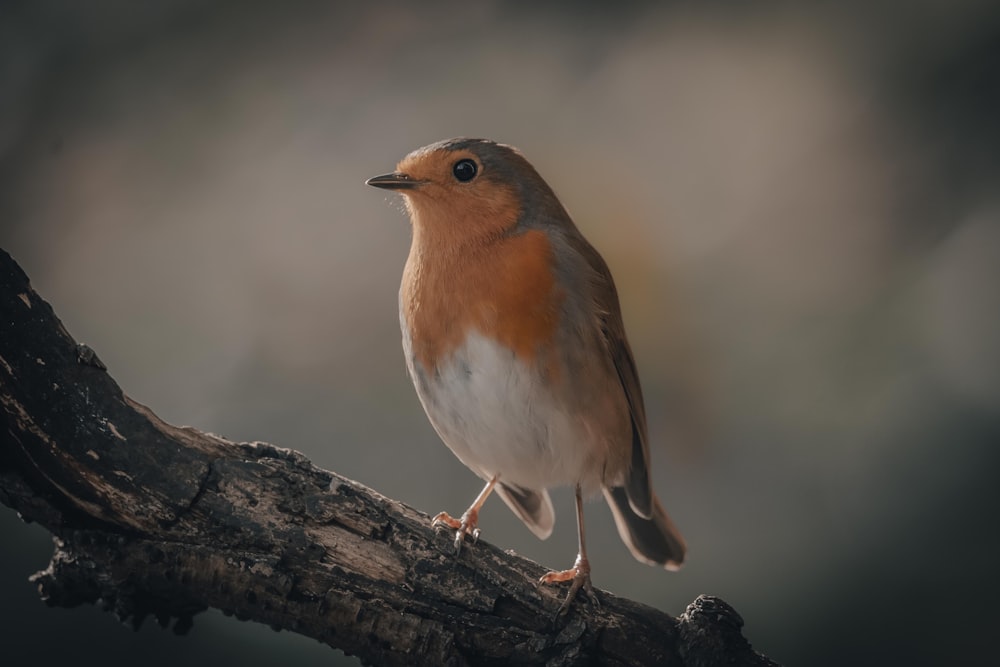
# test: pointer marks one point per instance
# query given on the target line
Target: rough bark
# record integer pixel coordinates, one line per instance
(153, 519)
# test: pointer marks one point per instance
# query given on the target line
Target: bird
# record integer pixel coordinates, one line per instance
(513, 337)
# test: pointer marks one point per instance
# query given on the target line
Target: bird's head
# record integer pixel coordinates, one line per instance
(461, 190)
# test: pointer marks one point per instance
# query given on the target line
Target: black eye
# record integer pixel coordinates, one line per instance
(464, 170)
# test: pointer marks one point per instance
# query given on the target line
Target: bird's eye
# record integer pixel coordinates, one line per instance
(464, 170)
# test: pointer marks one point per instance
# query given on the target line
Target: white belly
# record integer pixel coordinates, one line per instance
(494, 413)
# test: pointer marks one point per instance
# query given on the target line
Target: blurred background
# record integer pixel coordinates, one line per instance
(800, 204)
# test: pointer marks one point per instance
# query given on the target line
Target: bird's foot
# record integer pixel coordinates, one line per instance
(579, 575)
(467, 525)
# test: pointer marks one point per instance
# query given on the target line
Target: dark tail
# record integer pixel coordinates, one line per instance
(534, 508)
(656, 540)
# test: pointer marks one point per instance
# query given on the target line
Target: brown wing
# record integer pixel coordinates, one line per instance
(637, 480)
(643, 524)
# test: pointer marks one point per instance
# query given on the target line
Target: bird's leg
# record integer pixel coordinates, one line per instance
(469, 523)
(579, 574)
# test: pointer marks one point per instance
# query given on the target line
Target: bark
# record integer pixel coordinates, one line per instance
(154, 519)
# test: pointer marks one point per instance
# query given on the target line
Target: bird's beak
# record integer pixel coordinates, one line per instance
(393, 181)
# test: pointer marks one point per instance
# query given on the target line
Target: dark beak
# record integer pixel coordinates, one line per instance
(393, 181)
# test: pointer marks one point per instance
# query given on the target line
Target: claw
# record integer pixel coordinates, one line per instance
(579, 575)
(462, 527)
(468, 524)
(444, 520)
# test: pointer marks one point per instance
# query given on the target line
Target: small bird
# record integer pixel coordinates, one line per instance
(514, 341)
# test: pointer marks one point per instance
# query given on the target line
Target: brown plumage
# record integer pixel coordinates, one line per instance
(514, 339)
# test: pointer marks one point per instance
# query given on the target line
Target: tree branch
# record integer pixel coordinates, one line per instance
(152, 519)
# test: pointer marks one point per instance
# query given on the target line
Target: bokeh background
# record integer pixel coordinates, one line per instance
(800, 203)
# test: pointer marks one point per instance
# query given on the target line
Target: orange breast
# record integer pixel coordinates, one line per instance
(503, 288)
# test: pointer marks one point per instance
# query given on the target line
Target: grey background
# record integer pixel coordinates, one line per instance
(799, 203)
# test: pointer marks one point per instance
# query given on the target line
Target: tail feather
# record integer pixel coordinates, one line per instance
(656, 540)
(534, 508)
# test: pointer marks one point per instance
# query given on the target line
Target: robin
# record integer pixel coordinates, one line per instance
(514, 340)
